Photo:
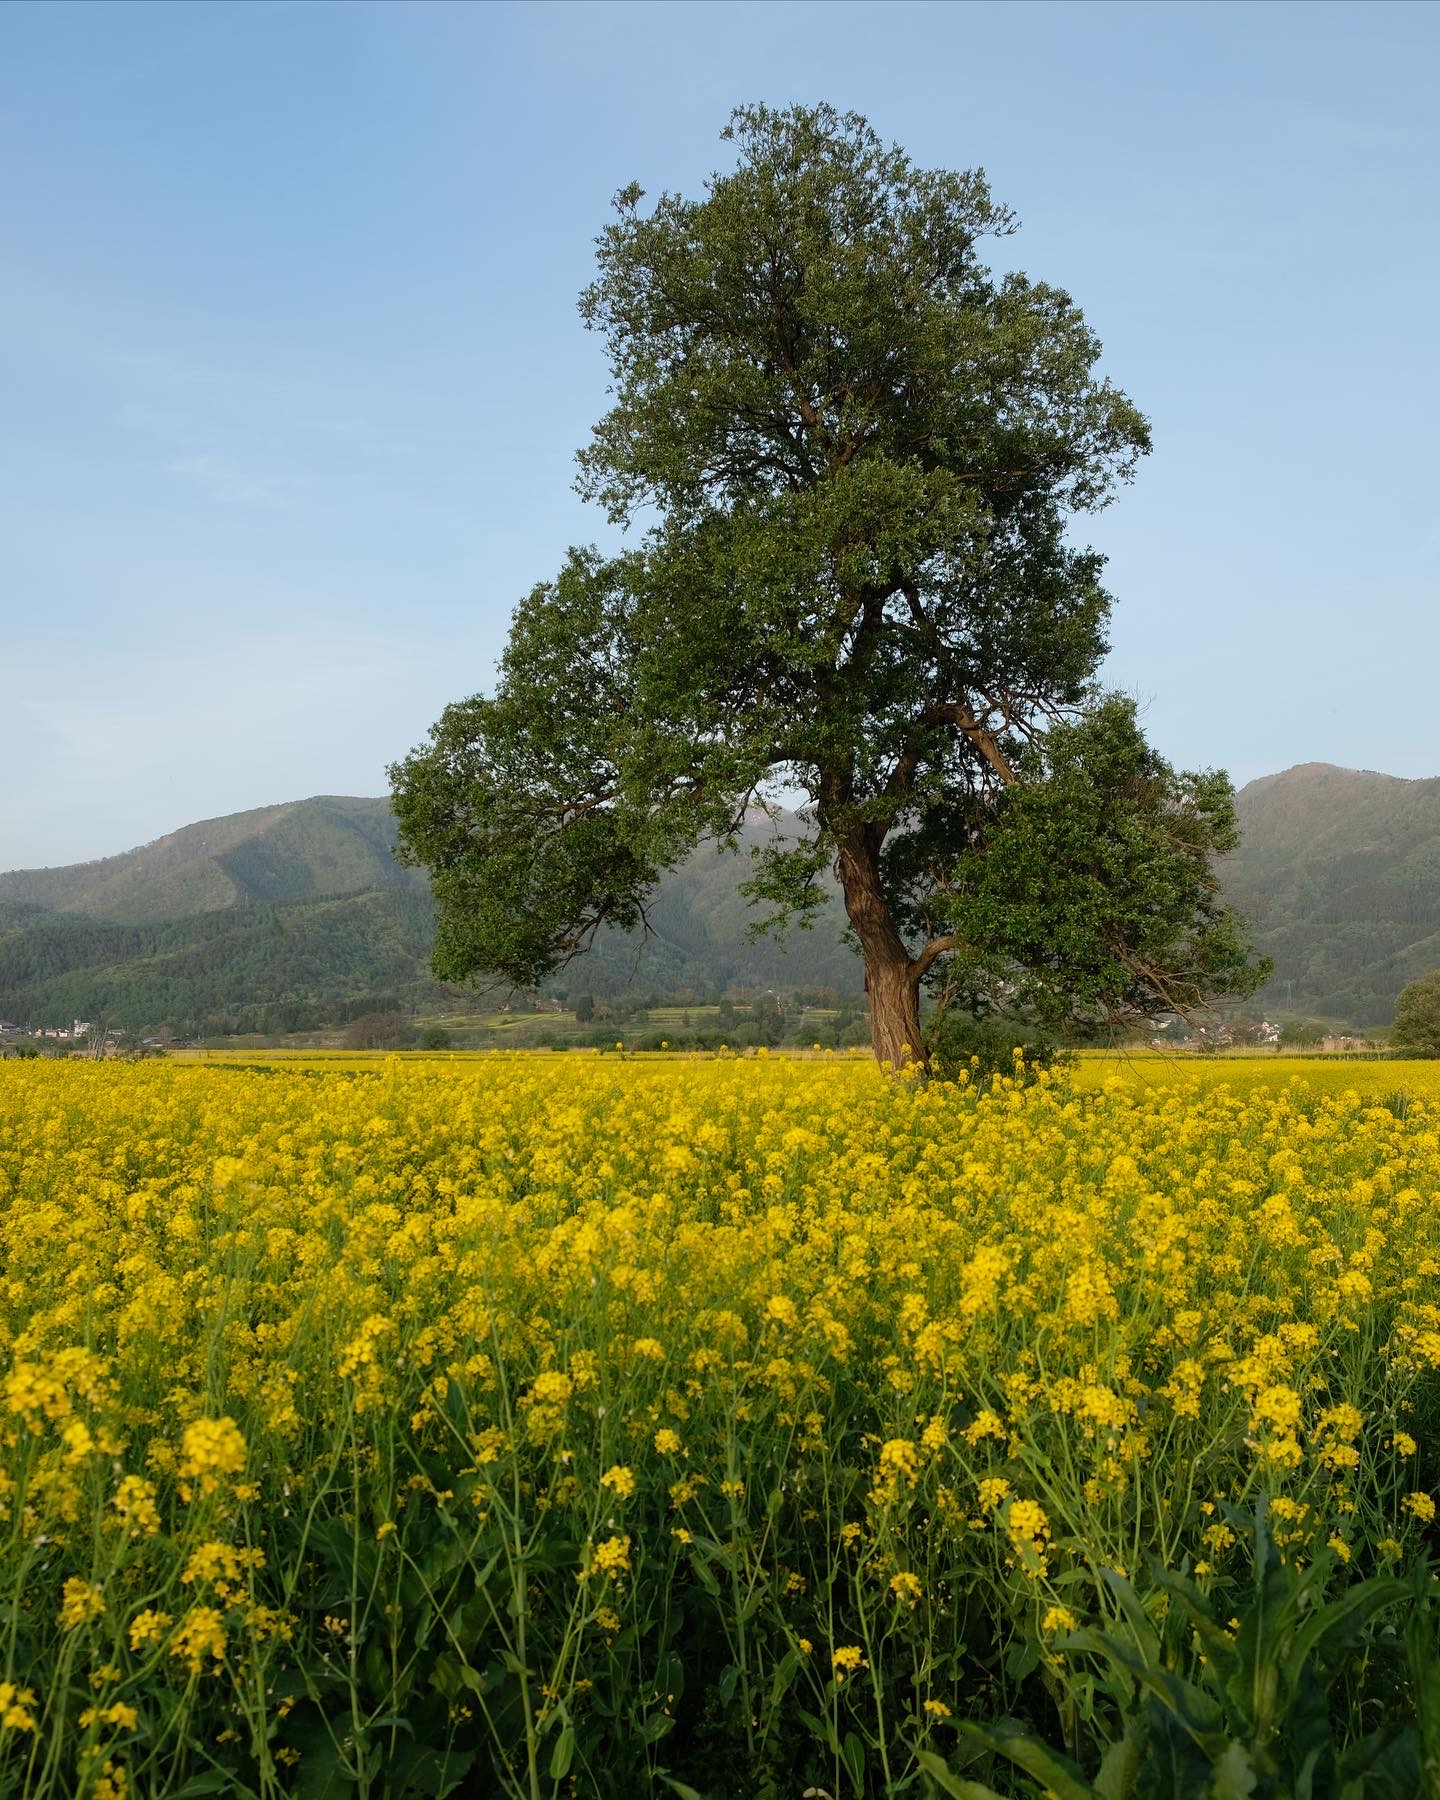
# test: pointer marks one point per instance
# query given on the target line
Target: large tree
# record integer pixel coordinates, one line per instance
(854, 454)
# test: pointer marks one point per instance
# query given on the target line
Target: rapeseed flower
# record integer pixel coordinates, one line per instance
(83, 1601)
(16, 1707)
(209, 1450)
(250, 1321)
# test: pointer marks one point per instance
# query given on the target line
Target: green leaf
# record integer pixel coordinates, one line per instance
(785, 1672)
(563, 1754)
(1387, 1761)
(1134, 1613)
(1339, 1618)
(436, 1773)
(1219, 1645)
(1199, 1715)
(1013, 1742)
(1120, 1766)
(1235, 1777)
(322, 1775)
(852, 1754)
(954, 1785)
(819, 1728)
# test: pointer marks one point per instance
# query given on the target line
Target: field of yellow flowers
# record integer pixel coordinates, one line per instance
(545, 1426)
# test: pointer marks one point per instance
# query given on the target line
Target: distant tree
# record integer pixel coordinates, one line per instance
(378, 1031)
(434, 1037)
(584, 1009)
(727, 1010)
(767, 1024)
(1301, 1034)
(1417, 1017)
(862, 453)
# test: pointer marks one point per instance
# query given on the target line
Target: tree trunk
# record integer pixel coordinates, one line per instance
(891, 979)
(894, 1014)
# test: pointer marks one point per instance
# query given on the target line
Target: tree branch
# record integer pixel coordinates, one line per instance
(956, 712)
(936, 947)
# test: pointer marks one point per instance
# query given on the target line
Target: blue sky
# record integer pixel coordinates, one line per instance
(291, 376)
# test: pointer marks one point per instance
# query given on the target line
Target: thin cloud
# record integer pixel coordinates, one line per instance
(222, 478)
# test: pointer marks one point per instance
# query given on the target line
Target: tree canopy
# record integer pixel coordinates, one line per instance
(1417, 1017)
(852, 454)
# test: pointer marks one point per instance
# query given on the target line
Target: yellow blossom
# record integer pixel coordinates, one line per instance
(612, 1557)
(81, 1602)
(619, 1480)
(200, 1633)
(210, 1449)
(148, 1627)
(16, 1707)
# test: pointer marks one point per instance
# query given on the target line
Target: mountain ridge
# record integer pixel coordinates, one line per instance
(285, 911)
(343, 845)
(239, 921)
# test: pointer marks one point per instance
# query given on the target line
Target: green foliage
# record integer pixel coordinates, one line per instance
(1417, 1017)
(1323, 1684)
(975, 1050)
(1092, 898)
(1300, 1034)
(859, 452)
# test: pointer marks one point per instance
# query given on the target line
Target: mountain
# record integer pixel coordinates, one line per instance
(274, 855)
(1338, 872)
(290, 917)
(294, 916)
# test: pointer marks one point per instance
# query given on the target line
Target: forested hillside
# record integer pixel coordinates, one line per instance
(242, 968)
(1339, 873)
(291, 917)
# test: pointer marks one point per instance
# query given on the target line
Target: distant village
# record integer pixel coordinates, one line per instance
(1175, 1033)
(95, 1040)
